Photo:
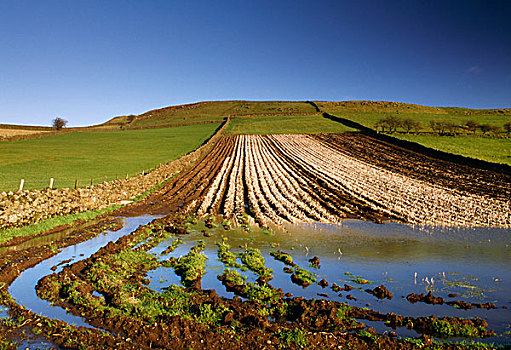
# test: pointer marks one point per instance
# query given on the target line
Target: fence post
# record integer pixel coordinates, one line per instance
(105, 178)
(51, 183)
(76, 184)
(21, 185)
(127, 175)
(91, 181)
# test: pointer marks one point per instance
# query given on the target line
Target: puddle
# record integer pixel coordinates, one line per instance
(36, 343)
(473, 263)
(23, 288)
(4, 311)
(46, 239)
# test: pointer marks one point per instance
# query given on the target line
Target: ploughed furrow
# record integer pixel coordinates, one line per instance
(259, 205)
(310, 190)
(346, 202)
(304, 206)
(190, 187)
(420, 166)
(234, 195)
(213, 198)
(278, 179)
(419, 202)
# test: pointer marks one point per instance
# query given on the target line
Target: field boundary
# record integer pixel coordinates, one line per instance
(26, 207)
(418, 148)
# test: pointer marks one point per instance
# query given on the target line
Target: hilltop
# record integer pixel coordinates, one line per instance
(215, 111)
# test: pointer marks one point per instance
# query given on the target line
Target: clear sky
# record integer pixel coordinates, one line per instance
(88, 61)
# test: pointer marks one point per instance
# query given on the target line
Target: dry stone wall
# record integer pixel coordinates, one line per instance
(25, 207)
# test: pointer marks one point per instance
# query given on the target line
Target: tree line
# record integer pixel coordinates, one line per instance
(391, 124)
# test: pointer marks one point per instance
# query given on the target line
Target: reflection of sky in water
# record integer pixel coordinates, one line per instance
(475, 263)
(476, 269)
(4, 311)
(23, 288)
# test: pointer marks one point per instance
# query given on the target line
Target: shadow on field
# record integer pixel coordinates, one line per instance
(418, 148)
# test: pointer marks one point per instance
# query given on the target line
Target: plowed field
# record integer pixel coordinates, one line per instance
(277, 179)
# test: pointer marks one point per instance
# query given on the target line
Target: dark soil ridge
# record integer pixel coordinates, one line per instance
(420, 166)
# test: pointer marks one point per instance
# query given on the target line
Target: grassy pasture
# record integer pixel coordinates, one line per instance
(94, 154)
(492, 149)
(496, 150)
(308, 124)
(370, 118)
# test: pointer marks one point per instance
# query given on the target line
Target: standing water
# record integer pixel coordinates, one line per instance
(471, 263)
(23, 288)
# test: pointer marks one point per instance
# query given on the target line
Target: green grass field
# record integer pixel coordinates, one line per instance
(492, 149)
(368, 113)
(86, 155)
(489, 149)
(285, 125)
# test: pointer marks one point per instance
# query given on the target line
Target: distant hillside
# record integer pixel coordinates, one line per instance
(400, 107)
(365, 112)
(203, 112)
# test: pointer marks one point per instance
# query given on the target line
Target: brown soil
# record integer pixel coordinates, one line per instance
(324, 329)
(420, 166)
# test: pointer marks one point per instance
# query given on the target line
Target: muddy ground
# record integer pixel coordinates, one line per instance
(241, 324)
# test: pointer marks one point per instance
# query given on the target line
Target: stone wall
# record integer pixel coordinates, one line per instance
(25, 207)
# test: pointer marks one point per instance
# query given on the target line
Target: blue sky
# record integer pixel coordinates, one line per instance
(88, 61)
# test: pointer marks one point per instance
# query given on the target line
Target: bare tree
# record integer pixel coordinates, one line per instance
(408, 124)
(417, 126)
(59, 123)
(471, 125)
(450, 128)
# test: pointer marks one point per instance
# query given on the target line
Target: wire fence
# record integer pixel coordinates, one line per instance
(28, 183)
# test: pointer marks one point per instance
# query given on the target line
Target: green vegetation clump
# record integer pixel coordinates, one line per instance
(254, 261)
(295, 336)
(303, 277)
(253, 291)
(284, 257)
(234, 277)
(192, 266)
(226, 256)
(361, 281)
(446, 329)
(343, 312)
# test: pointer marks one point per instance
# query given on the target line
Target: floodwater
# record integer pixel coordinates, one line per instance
(23, 288)
(472, 263)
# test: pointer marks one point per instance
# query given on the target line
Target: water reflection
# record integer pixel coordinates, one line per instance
(23, 288)
(472, 263)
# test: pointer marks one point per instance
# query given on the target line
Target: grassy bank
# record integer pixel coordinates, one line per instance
(493, 146)
(86, 155)
(497, 150)
(46, 225)
(209, 111)
(307, 124)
